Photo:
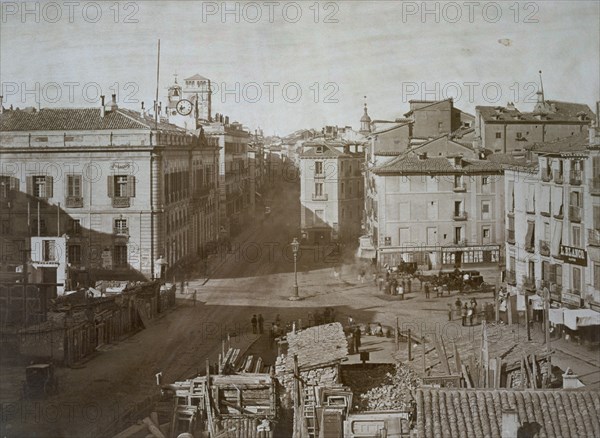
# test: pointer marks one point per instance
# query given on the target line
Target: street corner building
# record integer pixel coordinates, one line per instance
(105, 193)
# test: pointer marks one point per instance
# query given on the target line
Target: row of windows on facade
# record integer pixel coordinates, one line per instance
(345, 169)
(552, 275)
(549, 199)
(345, 190)
(576, 234)
(118, 186)
(432, 183)
(405, 236)
(74, 254)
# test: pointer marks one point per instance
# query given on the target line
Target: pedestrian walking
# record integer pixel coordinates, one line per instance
(463, 314)
(470, 313)
(449, 311)
(350, 320)
(427, 290)
(400, 291)
(408, 286)
(380, 280)
(403, 284)
(261, 323)
(254, 322)
(361, 275)
(357, 335)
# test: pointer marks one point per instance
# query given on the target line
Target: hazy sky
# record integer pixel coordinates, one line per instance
(286, 71)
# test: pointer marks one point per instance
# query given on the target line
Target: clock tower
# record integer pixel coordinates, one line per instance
(180, 110)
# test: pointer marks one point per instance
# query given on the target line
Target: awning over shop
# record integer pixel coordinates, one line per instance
(577, 318)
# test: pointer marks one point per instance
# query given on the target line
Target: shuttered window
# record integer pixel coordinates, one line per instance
(40, 186)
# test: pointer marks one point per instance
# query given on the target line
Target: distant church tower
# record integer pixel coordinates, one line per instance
(365, 121)
(197, 88)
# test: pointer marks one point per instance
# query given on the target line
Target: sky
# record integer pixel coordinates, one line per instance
(283, 66)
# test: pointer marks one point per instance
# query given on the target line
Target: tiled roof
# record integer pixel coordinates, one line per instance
(574, 143)
(317, 345)
(390, 128)
(329, 148)
(511, 161)
(196, 77)
(560, 111)
(78, 119)
(435, 165)
(478, 412)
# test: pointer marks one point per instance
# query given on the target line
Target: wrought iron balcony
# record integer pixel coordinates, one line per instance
(121, 202)
(544, 248)
(460, 216)
(558, 177)
(593, 237)
(74, 201)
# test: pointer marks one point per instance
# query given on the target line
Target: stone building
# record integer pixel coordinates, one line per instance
(553, 222)
(437, 205)
(505, 129)
(331, 190)
(123, 187)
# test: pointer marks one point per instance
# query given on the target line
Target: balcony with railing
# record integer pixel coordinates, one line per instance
(511, 278)
(594, 185)
(555, 292)
(574, 213)
(74, 202)
(459, 188)
(510, 236)
(321, 197)
(575, 177)
(558, 177)
(529, 282)
(121, 202)
(593, 237)
(544, 248)
(546, 175)
(530, 247)
(459, 216)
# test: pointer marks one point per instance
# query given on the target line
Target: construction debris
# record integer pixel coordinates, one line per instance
(395, 393)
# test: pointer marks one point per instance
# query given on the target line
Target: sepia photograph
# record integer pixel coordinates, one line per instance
(299, 219)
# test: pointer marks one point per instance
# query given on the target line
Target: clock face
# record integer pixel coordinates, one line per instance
(184, 107)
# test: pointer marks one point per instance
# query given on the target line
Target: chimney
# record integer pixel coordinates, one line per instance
(1, 107)
(113, 103)
(102, 109)
(510, 423)
(143, 111)
(423, 156)
(510, 106)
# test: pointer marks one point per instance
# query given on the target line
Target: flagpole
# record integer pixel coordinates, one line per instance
(157, 79)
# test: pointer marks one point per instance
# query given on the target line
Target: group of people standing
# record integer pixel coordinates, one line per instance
(467, 310)
(393, 285)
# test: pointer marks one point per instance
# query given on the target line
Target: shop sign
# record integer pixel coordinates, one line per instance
(573, 255)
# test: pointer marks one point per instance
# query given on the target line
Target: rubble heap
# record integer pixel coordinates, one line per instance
(394, 393)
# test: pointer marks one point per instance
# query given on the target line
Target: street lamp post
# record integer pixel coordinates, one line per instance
(295, 248)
